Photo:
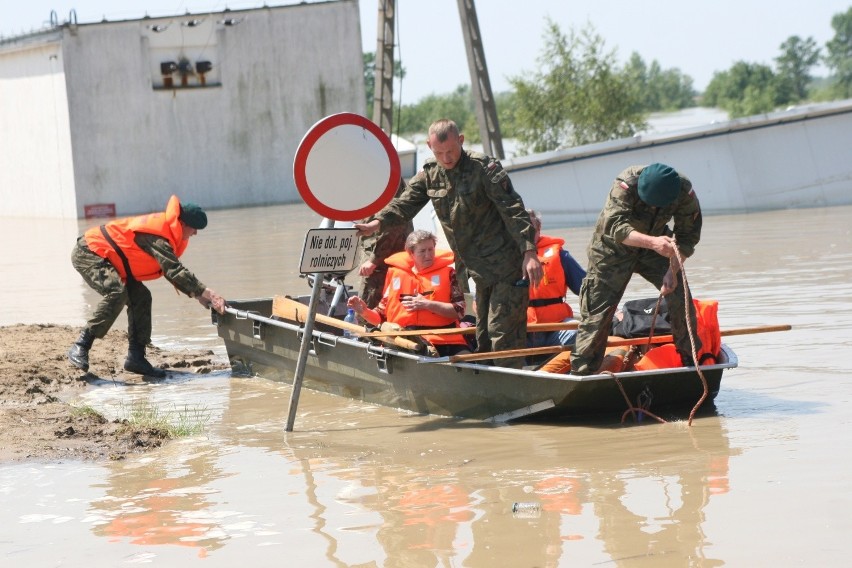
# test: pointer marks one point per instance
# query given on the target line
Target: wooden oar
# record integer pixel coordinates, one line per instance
(531, 328)
(293, 310)
(611, 343)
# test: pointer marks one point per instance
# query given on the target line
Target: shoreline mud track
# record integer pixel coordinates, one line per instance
(36, 378)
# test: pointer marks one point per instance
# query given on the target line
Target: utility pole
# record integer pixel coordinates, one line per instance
(486, 110)
(383, 74)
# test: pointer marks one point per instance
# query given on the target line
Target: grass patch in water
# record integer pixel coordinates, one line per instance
(177, 423)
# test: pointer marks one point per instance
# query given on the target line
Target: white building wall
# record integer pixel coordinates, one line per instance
(231, 143)
(36, 170)
(797, 158)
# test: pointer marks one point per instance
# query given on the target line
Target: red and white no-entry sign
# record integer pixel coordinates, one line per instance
(346, 167)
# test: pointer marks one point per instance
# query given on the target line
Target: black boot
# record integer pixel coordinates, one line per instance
(79, 352)
(137, 363)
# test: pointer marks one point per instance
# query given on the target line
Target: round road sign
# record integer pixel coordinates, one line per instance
(346, 167)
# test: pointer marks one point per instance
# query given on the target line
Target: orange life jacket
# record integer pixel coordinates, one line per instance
(547, 300)
(143, 266)
(613, 361)
(435, 280)
(707, 314)
(667, 357)
(659, 357)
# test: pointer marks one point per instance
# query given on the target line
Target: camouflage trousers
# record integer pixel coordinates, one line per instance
(501, 320)
(104, 279)
(372, 287)
(600, 295)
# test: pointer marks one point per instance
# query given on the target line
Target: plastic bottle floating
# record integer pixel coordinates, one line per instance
(526, 510)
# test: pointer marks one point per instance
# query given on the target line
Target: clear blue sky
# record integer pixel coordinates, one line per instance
(699, 37)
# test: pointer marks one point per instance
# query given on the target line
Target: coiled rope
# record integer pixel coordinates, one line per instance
(636, 411)
(642, 408)
(687, 301)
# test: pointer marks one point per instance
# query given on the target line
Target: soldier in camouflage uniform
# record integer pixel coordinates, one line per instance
(486, 225)
(632, 236)
(374, 250)
(150, 247)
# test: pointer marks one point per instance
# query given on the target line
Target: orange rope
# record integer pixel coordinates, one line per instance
(630, 408)
(691, 333)
(654, 320)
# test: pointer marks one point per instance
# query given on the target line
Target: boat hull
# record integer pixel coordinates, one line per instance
(258, 344)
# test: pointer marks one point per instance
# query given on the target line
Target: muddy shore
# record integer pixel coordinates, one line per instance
(37, 423)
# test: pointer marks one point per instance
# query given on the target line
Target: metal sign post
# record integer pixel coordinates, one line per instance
(345, 169)
(326, 247)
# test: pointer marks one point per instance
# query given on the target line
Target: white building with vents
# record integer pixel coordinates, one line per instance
(111, 118)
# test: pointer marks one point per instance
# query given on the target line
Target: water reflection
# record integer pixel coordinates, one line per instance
(358, 485)
(162, 500)
(449, 502)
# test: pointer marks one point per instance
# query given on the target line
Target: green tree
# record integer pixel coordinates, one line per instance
(746, 89)
(578, 95)
(370, 76)
(839, 52)
(458, 106)
(506, 103)
(659, 89)
(674, 89)
(794, 65)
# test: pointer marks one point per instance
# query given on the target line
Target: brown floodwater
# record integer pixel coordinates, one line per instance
(761, 480)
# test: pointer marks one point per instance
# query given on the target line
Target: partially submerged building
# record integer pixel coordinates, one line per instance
(111, 118)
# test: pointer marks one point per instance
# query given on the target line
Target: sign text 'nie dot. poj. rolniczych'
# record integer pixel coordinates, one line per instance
(329, 250)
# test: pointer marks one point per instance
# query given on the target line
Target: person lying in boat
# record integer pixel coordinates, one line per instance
(547, 299)
(617, 359)
(421, 292)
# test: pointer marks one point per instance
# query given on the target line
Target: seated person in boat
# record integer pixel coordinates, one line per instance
(547, 299)
(421, 292)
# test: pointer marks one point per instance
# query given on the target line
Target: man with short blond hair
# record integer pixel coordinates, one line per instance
(487, 226)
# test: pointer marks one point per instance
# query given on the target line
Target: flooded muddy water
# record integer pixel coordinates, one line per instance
(760, 480)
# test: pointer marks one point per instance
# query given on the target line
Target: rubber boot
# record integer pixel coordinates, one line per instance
(137, 363)
(79, 352)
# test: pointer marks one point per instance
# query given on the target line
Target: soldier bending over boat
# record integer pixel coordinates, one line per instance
(632, 236)
(114, 259)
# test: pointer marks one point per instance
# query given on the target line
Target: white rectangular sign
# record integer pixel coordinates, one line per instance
(330, 250)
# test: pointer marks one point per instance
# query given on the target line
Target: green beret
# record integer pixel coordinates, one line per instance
(659, 185)
(193, 215)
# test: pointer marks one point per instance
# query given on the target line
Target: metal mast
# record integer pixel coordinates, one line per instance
(486, 110)
(383, 74)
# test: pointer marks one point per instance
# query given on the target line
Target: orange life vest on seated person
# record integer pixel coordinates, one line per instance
(123, 233)
(547, 300)
(402, 279)
(667, 357)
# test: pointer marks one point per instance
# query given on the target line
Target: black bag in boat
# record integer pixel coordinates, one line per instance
(637, 316)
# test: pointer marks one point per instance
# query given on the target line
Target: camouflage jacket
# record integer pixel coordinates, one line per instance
(625, 212)
(174, 271)
(483, 217)
(389, 240)
(384, 243)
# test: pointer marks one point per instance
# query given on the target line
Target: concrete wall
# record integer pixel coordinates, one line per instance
(227, 143)
(796, 158)
(36, 170)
